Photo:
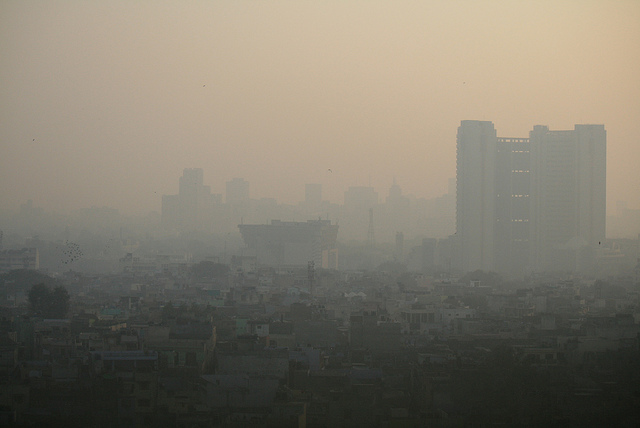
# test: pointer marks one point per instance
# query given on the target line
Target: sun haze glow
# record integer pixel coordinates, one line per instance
(105, 103)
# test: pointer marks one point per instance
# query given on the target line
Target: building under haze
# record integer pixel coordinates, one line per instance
(26, 258)
(568, 191)
(237, 191)
(313, 195)
(360, 204)
(530, 204)
(290, 243)
(191, 208)
(476, 189)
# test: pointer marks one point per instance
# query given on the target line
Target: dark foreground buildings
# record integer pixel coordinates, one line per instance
(530, 204)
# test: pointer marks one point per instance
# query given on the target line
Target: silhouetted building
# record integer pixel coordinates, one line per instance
(192, 207)
(533, 203)
(568, 191)
(399, 251)
(476, 190)
(513, 205)
(313, 195)
(360, 198)
(26, 258)
(237, 191)
(358, 202)
(292, 243)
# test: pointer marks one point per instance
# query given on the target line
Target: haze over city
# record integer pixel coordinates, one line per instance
(105, 103)
(330, 213)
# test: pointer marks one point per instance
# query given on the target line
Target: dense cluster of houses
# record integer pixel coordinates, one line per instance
(264, 348)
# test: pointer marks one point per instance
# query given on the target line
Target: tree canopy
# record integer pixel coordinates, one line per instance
(48, 303)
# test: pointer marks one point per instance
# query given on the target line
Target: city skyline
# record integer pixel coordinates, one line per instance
(104, 104)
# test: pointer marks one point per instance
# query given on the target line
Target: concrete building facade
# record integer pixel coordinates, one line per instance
(25, 258)
(530, 204)
(476, 190)
(568, 189)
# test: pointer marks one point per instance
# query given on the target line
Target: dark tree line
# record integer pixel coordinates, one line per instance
(47, 302)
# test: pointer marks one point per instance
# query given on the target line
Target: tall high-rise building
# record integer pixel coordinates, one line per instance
(534, 203)
(191, 208)
(513, 205)
(476, 190)
(313, 195)
(356, 212)
(568, 191)
(237, 191)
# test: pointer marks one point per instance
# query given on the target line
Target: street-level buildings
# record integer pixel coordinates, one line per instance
(25, 258)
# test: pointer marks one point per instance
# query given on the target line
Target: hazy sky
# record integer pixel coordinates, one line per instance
(106, 102)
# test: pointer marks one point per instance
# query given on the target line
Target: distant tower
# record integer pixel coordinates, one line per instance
(568, 192)
(313, 195)
(371, 238)
(395, 192)
(237, 191)
(399, 245)
(311, 275)
(191, 207)
(475, 194)
(530, 203)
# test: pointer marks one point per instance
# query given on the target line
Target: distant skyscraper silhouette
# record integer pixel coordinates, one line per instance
(476, 190)
(313, 195)
(358, 200)
(568, 191)
(371, 236)
(191, 208)
(237, 191)
(536, 203)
